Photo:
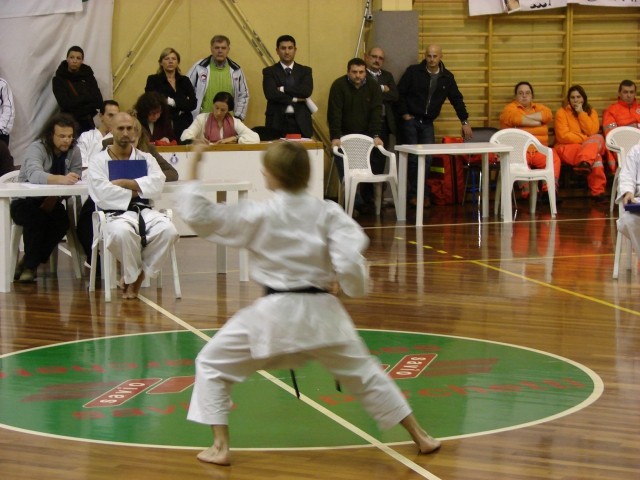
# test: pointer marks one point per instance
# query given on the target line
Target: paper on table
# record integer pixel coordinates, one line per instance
(313, 108)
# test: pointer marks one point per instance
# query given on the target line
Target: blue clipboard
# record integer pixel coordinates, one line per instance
(129, 169)
(632, 207)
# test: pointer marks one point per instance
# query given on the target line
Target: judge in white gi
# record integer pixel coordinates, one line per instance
(629, 192)
(300, 246)
(140, 246)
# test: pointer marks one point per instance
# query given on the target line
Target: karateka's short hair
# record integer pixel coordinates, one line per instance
(289, 163)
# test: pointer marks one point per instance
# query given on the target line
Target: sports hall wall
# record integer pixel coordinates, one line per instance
(594, 46)
(553, 49)
(326, 33)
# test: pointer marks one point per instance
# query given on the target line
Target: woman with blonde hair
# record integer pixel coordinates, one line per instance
(169, 82)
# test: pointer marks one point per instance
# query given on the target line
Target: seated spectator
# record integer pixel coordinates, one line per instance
(534, 118)
(578, 142)
(137, 235)
(90, 142)
(219, 127)
(84, 228)
(625, 112)
(142, 143)
(52, 159)
(153, 112)
(628, 192)
(177, 88)
(6, 160)
(76, 89)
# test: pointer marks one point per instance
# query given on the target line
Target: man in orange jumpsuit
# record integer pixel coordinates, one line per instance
(578, 142)
(624, 113)
(534, 118)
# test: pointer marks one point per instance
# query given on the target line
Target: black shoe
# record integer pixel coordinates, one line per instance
(19, 270)
(366, 208)
(27, 276)
(600, 199)
(544, 198)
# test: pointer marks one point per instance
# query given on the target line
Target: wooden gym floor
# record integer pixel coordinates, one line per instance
(538, 283)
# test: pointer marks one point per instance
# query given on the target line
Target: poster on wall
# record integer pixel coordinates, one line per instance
(493, 7)
(33, 8)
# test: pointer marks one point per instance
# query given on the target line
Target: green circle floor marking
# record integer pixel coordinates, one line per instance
(135, 390)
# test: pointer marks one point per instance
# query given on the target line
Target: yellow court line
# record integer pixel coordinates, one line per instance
(559, 289)
(477, 224)
(313, 404)
(460, 259)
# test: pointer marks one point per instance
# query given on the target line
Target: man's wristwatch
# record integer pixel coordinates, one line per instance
(465, 122)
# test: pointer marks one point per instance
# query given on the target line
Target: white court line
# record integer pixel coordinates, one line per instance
(328, 413)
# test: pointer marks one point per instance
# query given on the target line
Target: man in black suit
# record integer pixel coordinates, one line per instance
(375, 61)
(287, 86)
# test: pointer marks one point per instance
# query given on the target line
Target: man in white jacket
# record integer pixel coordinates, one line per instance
(218, 73)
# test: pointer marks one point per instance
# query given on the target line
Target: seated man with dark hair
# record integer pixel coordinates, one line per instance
(52, 159)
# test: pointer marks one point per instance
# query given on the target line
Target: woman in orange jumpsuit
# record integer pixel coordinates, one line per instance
(578, 142)
(534, 118)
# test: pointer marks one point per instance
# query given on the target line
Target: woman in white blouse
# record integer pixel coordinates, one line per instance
(219, 126)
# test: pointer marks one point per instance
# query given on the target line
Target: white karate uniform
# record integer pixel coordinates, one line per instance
(295, 241)
(90, 143)
(629, 181)
(122, 237)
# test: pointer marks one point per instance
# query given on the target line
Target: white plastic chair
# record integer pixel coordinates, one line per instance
(355, 150)
(108, 261)
(623, 247)
(620, 140)
(72, 239)
(518, 169)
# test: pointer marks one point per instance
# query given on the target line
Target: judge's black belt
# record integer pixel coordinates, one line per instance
(135, 207)
(271, 291)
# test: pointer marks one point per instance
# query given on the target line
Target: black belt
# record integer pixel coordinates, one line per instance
(271, 291)
(142, 227)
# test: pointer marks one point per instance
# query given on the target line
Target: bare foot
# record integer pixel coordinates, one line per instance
(216, 455)
(131, 290)
(425, 442)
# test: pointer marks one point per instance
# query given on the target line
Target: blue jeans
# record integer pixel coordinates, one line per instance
(414, 132)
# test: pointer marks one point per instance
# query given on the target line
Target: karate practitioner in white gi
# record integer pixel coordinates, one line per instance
(123, 237)
(629, 192)
(299, 247)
